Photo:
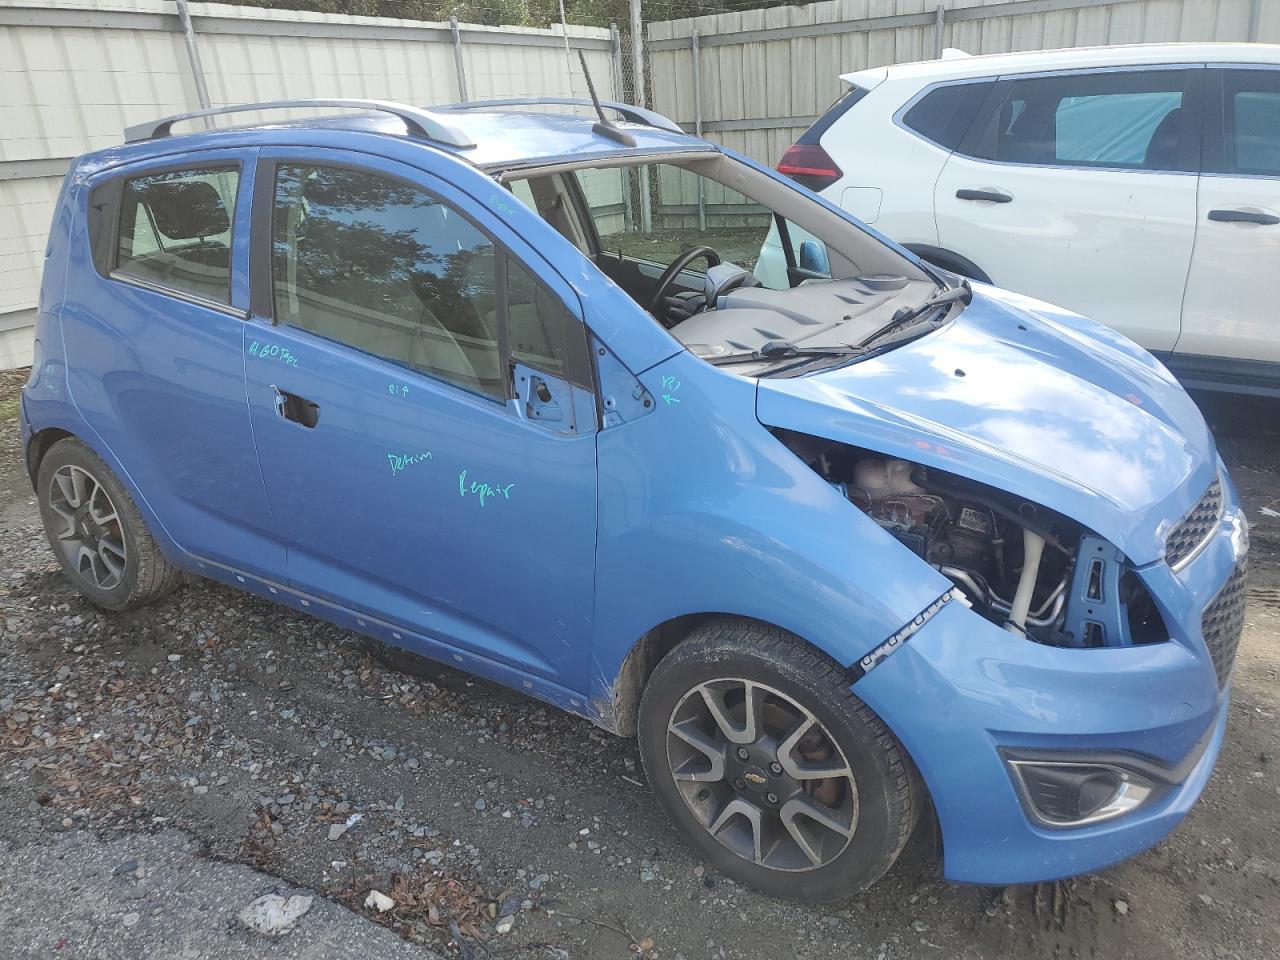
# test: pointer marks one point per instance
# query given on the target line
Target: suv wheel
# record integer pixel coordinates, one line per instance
(96, 531)
(770, 767)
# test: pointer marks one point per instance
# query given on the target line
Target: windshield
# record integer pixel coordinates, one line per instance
(743, 270)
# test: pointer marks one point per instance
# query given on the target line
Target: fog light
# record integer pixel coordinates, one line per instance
(1071, 794)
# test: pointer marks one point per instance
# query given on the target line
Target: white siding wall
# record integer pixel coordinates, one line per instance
(74, 73)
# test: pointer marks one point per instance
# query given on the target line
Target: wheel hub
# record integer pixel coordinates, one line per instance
(762, 775)
(85, 527)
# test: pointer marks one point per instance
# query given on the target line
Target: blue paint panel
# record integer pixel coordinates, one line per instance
(985, 688)
(158, 383)
(714, 514)
(1045, 405)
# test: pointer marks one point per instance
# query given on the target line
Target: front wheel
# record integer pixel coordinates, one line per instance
(96, 531)
(770, 767)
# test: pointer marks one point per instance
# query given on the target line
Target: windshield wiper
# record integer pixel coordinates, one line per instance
(785, 350)
(904, 316)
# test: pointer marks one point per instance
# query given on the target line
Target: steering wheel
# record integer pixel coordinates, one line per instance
(658, 302)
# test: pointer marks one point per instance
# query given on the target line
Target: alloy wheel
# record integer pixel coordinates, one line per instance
(91, 537)
(762, 774)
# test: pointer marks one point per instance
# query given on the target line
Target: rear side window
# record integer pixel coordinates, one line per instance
(1116, 119)
(943, 114)
(175, 230)
(1251, 115)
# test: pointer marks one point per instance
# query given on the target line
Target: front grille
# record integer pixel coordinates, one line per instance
(1222, 622)
(1196, 527)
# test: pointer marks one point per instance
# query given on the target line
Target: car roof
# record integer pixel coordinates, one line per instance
(494, 137)
(1074, 58)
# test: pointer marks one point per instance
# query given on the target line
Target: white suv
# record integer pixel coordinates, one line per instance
(1138, 185)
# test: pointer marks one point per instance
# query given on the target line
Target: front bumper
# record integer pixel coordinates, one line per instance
(962, 695)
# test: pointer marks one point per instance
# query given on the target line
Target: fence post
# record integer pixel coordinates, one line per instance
(457, 59)
(615, 45)
(697, 124)
(939, 20)
(637, 74)
(193, 57)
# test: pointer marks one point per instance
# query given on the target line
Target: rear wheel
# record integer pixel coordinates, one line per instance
(770, 767)
(96, 531)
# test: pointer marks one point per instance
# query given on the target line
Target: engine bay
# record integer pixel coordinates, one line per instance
(1022, 566)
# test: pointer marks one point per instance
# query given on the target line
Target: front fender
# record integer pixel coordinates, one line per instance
(703, 510)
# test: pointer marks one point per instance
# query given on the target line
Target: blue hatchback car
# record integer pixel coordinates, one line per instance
(873, 549)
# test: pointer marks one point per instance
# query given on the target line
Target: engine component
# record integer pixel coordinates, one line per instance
(1026, 568)
(1032, 549)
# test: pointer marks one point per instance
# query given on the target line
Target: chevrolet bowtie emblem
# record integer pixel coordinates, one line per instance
(755, 778)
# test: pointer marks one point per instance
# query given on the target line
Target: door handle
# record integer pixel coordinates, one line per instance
(994, 196)
(290, 406)
(1244, 216)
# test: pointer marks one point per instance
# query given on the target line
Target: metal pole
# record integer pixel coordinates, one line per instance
(697, 124)
(1255, 18)
(939, 20)
(457, 59)
(193, 55)
(637, 80)
(615, 41)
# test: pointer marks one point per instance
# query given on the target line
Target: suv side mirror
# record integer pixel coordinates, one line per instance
(813, 257)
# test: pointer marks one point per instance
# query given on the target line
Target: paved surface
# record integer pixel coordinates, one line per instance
(160, 897)
(234, 748)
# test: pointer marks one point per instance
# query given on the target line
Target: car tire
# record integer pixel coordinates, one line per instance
(865, 817)
(96, 531)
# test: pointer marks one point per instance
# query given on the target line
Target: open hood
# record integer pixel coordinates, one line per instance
(1029, 399)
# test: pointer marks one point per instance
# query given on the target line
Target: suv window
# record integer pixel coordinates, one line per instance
(381, 265)
(175, 230)
(1251, 114)
(1126, 119)
(943, 114)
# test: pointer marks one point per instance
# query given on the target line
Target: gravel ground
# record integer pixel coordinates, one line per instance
(229, 748)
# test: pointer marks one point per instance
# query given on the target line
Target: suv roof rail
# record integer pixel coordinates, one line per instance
(421, 122)
(634, 114)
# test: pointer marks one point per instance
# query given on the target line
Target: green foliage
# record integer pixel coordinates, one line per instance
(524, 13)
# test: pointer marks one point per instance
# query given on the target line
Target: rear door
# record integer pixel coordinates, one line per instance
(1233, 288)
(155, 347)
(1079, 188)
(420, 393)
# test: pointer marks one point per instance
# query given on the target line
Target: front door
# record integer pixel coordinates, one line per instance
(420, 398)
(1233, 288)
(1080, 189)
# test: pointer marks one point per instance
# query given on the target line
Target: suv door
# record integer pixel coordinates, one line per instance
(1232, 291)
(420, 393)
(154, 331)
(1079, 188)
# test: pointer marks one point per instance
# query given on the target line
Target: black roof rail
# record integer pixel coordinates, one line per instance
(423, 123)
(633, 114)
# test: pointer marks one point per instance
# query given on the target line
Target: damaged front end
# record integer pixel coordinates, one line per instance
(1019, 564)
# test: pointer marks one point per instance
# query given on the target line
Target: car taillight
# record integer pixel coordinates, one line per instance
(809, 165)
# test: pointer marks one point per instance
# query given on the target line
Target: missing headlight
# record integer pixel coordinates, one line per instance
(1018, 563)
